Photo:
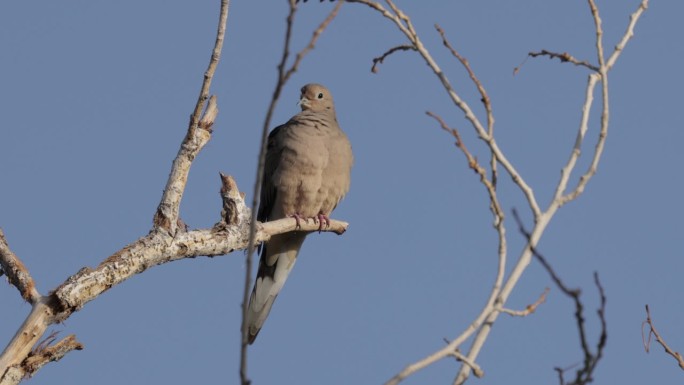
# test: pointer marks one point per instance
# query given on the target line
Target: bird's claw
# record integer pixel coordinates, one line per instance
(321, 219)
(297, 218)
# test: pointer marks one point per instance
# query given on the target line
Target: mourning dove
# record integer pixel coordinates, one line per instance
(307, 173)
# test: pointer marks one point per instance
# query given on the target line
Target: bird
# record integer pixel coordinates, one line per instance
(306, 174)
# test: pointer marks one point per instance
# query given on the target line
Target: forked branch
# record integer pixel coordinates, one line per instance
(584, 374)
(653, 332)
(166, 217)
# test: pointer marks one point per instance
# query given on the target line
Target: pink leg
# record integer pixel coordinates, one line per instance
(297, 218)
(322, 218)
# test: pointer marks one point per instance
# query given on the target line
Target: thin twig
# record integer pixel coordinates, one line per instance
(477, 370)
(403, 23)
(49, 353)
(490, 306)
(213, 62)
(561, 197)
(653, 332)
(480, 88)
(283, 76)
(474, 165)
(529, 309)
(494, 204)
(485, 100)
(312, 43)
(629, 33)
(561, 372)
(591, 360)
(564, 58)
(605, 112)
(380, 59)
(44, 343)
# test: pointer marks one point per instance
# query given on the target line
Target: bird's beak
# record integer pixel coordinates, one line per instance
(304, 102)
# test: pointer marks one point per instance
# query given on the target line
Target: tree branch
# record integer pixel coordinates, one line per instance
(403, 23)
(88, 283)
(564, 58)
(529, 309)
(482, 324)
(50, 354)
(17, 273)
(166, 217)
(380, 59)
(591, 360)
(653, 332)
(154, 249)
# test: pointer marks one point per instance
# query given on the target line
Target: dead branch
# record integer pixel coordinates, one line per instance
(480, 88)
(380, 59)
(529, 309)
(564, 58)
(485, 99)
(51, 353)
(475, 166)
(154, 249)
(166, 216)
(41, 355)
(653, 332)
(17, 273)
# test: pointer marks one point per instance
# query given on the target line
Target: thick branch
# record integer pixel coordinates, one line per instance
(41, 316)
(154, 249)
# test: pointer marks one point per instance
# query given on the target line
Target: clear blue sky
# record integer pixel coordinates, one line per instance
(95, 98)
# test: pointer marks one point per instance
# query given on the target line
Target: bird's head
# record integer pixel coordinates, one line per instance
(316, 97)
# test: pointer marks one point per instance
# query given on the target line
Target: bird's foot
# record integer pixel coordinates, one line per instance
(321, 219)
(297, 218)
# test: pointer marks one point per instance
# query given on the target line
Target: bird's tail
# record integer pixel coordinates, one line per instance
(278, 257)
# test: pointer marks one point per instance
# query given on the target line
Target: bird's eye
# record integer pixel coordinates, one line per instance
(320, 95)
